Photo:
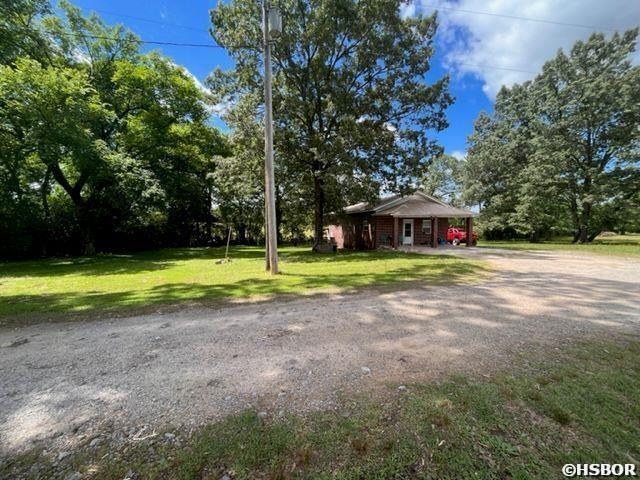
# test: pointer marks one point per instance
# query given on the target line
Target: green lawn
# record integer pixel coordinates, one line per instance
(618, 245)
(124, 283)
(577, 405)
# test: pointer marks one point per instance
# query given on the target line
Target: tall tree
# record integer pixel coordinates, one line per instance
(443, 179)
(562, 147)
(124, 135)
(54, 111)
(20, 34)
(504, 172)
(590, 100)
(239, 179)
(352, 108)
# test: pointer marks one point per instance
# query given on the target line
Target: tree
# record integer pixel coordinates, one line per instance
(22, 222)
(443, 179)
(352, 109)
(123, 135)
(488, 175)
(239, 179)
(505, 172)
(20, 34)
(561, 150)
(54, 111)
(589, 99)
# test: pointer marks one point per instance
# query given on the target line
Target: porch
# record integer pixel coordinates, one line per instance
(398, 231)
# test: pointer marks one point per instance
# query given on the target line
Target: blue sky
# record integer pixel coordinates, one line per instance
(482, 45)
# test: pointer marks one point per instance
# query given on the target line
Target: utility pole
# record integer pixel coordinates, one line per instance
(271, 26)
(267, 259)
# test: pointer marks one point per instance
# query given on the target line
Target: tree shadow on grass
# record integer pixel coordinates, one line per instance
(348, 256)
(82, 304)
(90, 266)
(118, 264)
(129, 264)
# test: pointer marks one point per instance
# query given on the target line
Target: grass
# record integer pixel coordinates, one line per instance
(126, 283)
(579, 405)
(618, 245)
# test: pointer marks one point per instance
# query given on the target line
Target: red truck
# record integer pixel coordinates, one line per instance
(456, 236)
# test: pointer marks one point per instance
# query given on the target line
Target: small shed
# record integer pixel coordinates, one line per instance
(394, 221)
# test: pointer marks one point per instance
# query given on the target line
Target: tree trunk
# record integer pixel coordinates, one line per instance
(83, 216)
(593, 236)
(534, 236)
(573, 208)
(242, 234)
(585, 218)
(44, 196)
(583, 235)
(318, 221)
(87, 246)
(576, 236)
(209, 218)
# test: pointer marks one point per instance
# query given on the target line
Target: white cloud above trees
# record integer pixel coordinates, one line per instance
(502, 50)
(218, 109)
(459, 154)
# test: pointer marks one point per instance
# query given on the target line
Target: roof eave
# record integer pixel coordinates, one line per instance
(428, 215)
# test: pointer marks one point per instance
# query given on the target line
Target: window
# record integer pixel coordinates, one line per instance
(407, 229)
(426, 226)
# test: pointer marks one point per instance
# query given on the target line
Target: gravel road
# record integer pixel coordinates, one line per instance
(65, 383)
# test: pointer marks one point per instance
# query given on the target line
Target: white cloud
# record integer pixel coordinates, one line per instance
(518, 48)
(80, 56)
(218, 109)
(459, 154)
(163, 13)
(201, 86)
(407, 10)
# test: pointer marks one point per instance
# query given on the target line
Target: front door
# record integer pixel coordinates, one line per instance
(407, 231)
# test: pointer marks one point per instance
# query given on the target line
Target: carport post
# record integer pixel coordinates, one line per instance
(434, 232)
(469, 231)
(394, 240)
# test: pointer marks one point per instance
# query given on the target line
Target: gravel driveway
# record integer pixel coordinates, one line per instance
(71, 381)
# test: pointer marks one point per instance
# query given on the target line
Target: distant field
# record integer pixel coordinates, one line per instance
(618, 245)
(125, 283)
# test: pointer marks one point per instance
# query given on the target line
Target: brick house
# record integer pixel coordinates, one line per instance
(394, 221)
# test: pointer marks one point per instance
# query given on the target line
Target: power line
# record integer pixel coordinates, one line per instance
(474, 12)
(491, 67)
(148, 20)
(516, 17)
(149, 42)
(437, 7)
(203, 45)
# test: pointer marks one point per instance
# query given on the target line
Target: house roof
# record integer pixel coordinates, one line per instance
(419, 204)
(366, 207)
